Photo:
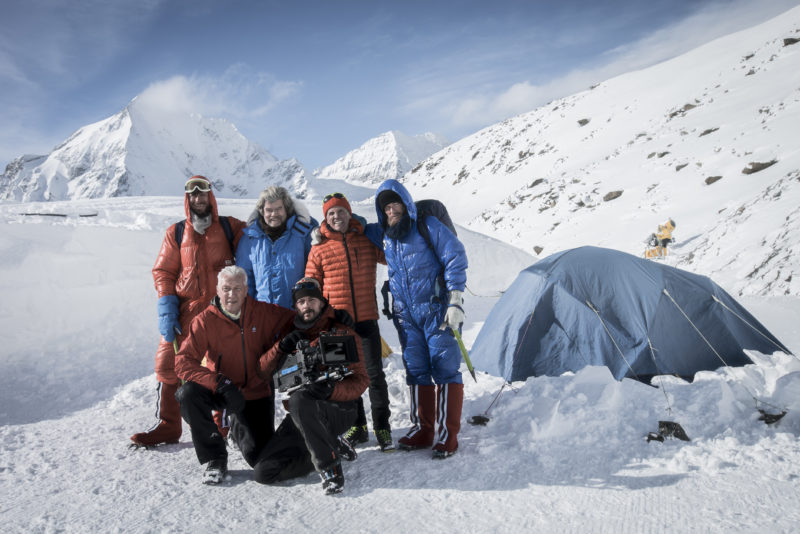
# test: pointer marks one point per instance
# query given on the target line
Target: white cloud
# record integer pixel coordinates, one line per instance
(239, 93)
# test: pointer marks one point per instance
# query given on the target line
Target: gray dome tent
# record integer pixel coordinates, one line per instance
(596, 306)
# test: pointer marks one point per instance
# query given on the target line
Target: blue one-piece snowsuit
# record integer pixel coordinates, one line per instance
(419, 279)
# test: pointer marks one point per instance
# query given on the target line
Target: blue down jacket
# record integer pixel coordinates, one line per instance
(273, 267)
(419, 279)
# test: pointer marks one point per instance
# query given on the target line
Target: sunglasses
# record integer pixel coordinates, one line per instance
(306, 285)
(200, 186)
(333, 195)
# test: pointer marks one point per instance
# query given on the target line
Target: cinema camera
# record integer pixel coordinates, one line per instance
(305, 365)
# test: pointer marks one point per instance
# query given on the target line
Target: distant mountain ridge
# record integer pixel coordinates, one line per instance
(389, 155)
(141, 151)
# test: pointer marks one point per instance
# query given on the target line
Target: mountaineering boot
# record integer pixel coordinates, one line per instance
(216, 471)
(357, 434)
(168, 412)
(384, 437)
(422, 412)
(346, 450)
(332, 479)
(450, 397)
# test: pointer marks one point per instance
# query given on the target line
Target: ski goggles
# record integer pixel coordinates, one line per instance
(195, 185)
(333, 195)
(306, 283)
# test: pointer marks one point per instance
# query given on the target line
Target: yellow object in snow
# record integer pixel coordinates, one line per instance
(386, 350)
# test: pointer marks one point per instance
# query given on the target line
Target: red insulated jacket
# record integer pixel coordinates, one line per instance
(233, 349)
(348, 389)
(345, 265)
(191, 271)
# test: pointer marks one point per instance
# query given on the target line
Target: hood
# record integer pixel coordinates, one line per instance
(397, 187)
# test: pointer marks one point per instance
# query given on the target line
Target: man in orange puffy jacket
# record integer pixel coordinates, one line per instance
(231, 334)
(185, 278)
(345, 263)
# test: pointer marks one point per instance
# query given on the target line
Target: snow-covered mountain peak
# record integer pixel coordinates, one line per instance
(389, 155)
(147, 150)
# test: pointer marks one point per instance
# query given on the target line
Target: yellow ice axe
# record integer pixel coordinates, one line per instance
(464, 353)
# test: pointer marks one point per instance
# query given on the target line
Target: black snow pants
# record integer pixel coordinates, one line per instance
(378, 391)
(251, 429)
(306, 440)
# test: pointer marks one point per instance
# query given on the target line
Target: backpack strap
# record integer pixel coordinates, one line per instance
(226, 227)
(180, 228)
(301, 227)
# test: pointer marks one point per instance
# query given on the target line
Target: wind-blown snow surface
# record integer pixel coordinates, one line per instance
(559, 454)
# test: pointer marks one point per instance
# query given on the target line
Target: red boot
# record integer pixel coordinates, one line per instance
(423, 408)
(450, 398)
(168, 412)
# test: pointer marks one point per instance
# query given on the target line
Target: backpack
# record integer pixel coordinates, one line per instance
(429, 207)
(434, 208)
(223, 221)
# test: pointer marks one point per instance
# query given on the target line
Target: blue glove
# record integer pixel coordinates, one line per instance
(168, 317)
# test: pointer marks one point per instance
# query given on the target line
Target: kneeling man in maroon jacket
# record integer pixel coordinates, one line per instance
(319, 412)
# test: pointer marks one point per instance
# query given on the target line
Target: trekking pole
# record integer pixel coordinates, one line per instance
(464, 354)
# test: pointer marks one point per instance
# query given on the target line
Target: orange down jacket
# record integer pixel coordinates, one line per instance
(233, 350)
(191, 271)
(348, 389)
(345, 265)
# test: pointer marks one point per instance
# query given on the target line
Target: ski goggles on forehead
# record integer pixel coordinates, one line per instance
(306, 285)
(200, 186)
(333, 195)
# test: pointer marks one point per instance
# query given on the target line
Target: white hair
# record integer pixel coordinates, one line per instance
(232, 271)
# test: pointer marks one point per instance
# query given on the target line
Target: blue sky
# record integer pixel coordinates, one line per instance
(315, 79)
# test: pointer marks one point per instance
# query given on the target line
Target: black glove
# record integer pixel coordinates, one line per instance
(289, 343)
(320, 390)
(234, 399)
(344, 317)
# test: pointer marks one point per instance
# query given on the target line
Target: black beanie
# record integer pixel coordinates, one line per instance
(307, 287)
(387, 197)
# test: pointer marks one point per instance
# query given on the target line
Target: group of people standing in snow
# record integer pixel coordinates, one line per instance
(236, 298)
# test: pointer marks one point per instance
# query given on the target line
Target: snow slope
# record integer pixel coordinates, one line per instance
(678, 140)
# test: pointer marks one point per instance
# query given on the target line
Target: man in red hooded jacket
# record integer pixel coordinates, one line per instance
(185, 277)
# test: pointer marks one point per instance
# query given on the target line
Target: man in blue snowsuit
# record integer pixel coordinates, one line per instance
(274, 246)
(427, 284)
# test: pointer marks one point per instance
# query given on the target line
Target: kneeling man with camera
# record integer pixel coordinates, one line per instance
(321, 366)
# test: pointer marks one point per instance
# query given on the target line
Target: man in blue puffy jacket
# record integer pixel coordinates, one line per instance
(275, 246)
(427, 285)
